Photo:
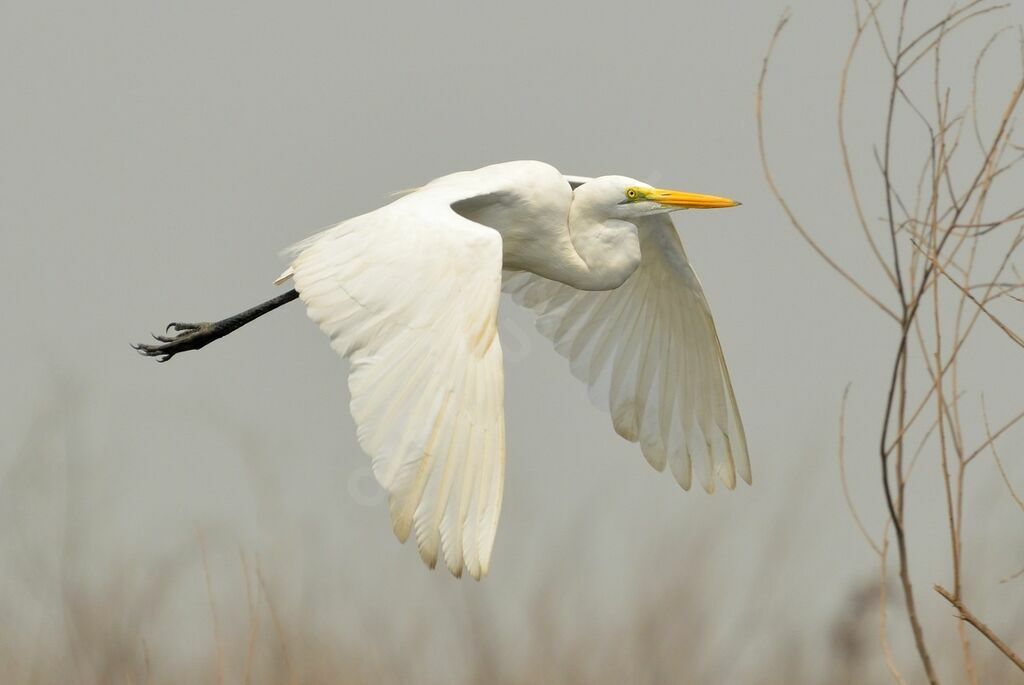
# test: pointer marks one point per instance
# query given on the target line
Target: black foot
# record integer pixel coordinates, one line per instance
(187, 336)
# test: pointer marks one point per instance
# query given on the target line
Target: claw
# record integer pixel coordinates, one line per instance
(179, 337)
(149, 350)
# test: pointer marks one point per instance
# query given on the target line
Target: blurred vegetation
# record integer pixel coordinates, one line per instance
(74, 616)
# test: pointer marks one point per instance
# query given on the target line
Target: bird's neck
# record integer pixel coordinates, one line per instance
(608, 250)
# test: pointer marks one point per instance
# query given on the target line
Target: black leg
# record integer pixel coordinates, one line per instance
(193, 336)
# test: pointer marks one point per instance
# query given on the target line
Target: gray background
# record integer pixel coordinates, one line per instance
(156, 157)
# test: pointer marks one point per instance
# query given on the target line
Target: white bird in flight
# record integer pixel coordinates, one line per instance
(409, 292)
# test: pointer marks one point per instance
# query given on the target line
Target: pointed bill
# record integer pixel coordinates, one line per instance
(684, 200)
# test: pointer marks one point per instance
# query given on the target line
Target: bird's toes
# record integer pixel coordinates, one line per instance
(178, 337)
(144, 350)
(182, 327)
(164, 351)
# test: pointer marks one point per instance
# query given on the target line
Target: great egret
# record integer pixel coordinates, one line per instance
(409, 294)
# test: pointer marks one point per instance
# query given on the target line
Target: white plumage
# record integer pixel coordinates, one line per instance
(649, 350)
(409, 294)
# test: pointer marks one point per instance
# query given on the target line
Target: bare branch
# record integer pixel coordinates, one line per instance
(966, 615)
(844, 148)
(842, 476)
(1003, 327)
(995, 436)
(999, 462)
(1013, 576)
(778, 195)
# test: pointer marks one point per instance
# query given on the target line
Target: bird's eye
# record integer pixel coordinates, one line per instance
(631, 193)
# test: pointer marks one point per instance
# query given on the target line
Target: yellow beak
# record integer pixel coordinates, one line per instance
(677, 198)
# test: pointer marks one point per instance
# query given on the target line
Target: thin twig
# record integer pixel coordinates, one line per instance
(966, 615)
(994, 436)
(842, 475)
(1013, 576)
(844, 148)
(883, 614)
(778, 195)
(995, 454)
(992, 317)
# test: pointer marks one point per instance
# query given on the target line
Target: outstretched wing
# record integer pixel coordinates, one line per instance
(650, 347)
(409, 293)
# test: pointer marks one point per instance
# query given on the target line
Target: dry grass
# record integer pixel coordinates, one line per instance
(92, 620)
(666, 637)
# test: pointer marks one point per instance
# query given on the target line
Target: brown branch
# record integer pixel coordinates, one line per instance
(844, 148)
(995, 455)
(1013, 576)
(951, 27)
(966, 615)
(887, 178)
(898, 382)
(1003, 327)
(953, 14)
(995, 436)
(883, 619)
(944, 223)
(842, 476)
(775, 189)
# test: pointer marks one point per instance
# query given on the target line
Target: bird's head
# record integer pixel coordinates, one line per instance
(625, 198)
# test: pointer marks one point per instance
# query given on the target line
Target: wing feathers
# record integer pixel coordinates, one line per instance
(650, 347)
(409, 294)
